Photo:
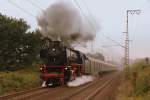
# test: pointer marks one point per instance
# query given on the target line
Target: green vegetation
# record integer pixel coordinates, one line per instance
(19, 49)
(26, 78)
(18, 45)
(137, 85)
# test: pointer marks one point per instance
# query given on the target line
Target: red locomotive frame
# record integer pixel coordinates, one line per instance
(76, 70)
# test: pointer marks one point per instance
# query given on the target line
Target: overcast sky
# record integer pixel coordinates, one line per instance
(110, 14)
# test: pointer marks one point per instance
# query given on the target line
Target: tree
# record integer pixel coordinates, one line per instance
(18, 46)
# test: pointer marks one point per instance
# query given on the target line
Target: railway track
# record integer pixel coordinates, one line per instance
(88, 92)
(27, 94)
(67, 93)
(98, 90)
(84, 92)
(5, 97)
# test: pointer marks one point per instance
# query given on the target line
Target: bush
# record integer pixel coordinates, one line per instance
(137, 85)
(19, 80)
(142, 86)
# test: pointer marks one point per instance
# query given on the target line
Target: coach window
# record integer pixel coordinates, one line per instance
(94, 65)
(100, 66)
(90, 66)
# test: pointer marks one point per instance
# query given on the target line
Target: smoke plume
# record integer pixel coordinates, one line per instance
(62, 21)
(80, 81)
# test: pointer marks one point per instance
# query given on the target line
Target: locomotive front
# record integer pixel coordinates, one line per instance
(54, 57)
(61, 64)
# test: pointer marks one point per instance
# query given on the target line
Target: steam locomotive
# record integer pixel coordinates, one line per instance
(63, 64)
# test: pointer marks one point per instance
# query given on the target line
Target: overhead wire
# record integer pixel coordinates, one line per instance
(107, 37)
(35, 5)
(96, 23)
(89, 21)
(76, 2)
(19, 7)
(89, 11)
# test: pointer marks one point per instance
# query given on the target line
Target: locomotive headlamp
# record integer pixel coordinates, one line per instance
(66, 68)
(53, 49)
(41, 68)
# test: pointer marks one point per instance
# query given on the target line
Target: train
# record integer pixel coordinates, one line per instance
(62, 64)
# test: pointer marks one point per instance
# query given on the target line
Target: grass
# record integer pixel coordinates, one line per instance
(19, 80)
(137, 85)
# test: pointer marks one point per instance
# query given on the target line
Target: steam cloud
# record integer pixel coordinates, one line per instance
(61, 21)
(80, 81)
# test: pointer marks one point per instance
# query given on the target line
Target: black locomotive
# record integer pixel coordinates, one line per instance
(61, 64)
